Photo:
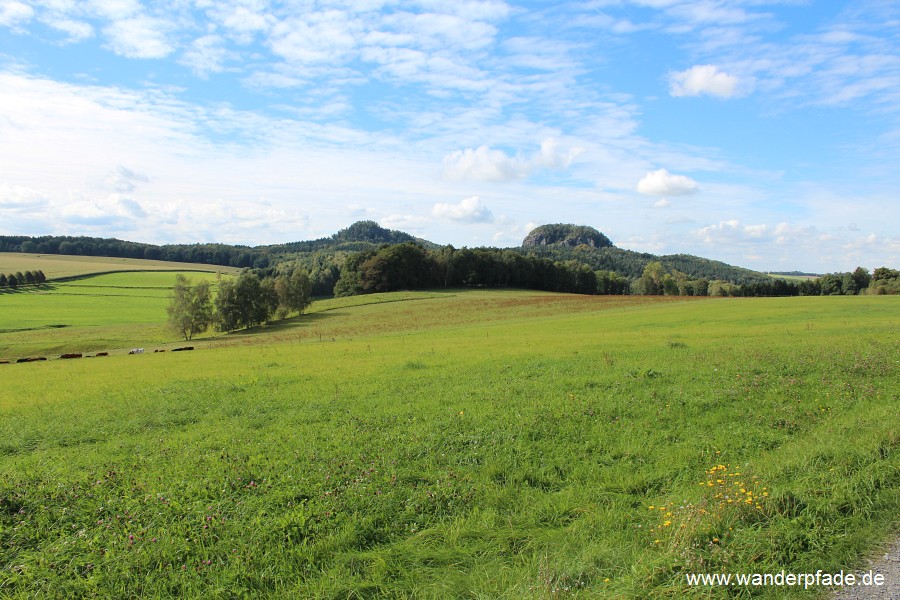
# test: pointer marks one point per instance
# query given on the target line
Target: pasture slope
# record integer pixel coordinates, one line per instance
(61, 266)
(109, 312)
(461, 445)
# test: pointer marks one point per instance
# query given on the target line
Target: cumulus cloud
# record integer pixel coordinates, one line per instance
(703, 79)
(482, 164)
(14, 13)
(470, 210)
(485, 164)
(663, 183)
(662, 203)
(20, 198)
(116, 210)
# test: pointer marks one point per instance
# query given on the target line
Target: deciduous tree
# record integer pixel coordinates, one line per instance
(190, 309)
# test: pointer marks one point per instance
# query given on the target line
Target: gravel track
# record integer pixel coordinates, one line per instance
(887, 565)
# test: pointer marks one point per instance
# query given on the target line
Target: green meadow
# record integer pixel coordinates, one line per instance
(452, 444)
(93, 312)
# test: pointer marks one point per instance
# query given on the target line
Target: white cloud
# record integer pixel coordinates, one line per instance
(243, 20)
(206, 55)
(124, 180)
(484, 164)
(139, 37)
(407, 223)
(14, 13)
(434, 30)
(358, 211)
(114, 9)
(319, 37)
(663, 183)
(77, 30)
(116, 210)
(795, 246)
(20, 198)
(469, 210)
(703, 79)
(662, 203)
(733, 231)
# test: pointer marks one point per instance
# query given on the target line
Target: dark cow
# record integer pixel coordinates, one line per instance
(71, 355)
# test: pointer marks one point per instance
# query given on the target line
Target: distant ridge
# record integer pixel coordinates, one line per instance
(358, 236)
(323, 257)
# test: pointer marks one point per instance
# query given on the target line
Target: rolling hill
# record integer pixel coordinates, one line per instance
(324, 257)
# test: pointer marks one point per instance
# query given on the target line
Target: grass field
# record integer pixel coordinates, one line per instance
(461, 445)
(56, 266)
(100, 312)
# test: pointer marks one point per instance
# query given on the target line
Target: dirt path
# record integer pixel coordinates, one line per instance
(887, 565)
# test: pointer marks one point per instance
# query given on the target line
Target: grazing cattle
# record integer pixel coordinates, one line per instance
(182, 349)
(71, 355)
(31, 359)
(102, 354)
(136, 351)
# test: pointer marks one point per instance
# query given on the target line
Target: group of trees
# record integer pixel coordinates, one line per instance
(655, 280)
(884, 281)
(410, 266)
(15, 280)
(243, 302)
(631, 264)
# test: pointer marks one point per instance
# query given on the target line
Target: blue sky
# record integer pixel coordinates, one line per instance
(765, 134)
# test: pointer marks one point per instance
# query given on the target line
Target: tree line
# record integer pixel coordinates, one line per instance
(410, 266)
(239, 303)
(656, 280)
(211, 254)
(15, 280)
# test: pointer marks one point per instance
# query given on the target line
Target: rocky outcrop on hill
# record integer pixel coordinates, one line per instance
(561, 234)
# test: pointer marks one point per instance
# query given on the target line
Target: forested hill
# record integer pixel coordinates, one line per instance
(325, 257)
(631, 264)
(362, 235)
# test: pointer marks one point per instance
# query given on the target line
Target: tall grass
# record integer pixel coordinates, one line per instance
(513, 450)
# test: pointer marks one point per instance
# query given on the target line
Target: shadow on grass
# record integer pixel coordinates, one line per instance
(287, 325)
(23, 289)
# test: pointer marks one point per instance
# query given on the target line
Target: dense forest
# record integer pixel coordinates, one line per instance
(366, 257)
